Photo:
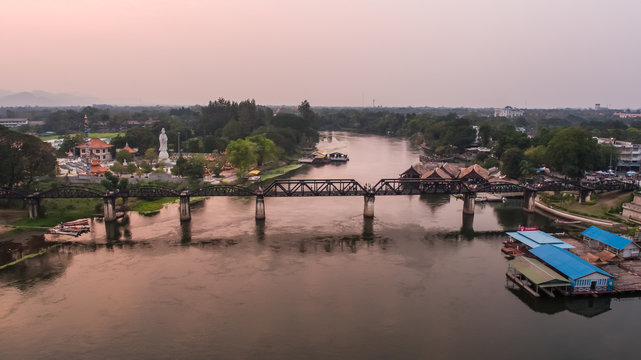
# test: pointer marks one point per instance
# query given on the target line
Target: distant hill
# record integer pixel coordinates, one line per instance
(43, 98)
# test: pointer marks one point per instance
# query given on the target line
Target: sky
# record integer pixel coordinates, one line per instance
(472, 53)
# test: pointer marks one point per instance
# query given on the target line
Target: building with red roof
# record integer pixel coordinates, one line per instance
(98, 149)
(132, 151)
(96, 168)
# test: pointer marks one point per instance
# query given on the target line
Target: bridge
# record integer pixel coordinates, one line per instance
(321, 187)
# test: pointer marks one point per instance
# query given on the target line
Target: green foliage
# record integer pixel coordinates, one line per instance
(118, 168)
(124, 155)
(145, 167)
(23, 157)
(151, 154)
(265, 148)
(69, 143)
(242, 153)
(573, 150)
(511, 162)
(536, 155)
(192, 168)
(110, 182)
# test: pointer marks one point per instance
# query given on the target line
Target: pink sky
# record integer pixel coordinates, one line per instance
(490, 53)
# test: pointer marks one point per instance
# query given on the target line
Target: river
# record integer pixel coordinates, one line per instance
(314, 281)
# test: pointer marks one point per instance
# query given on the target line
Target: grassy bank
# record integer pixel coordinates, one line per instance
(280, 171)
(602, 206)
(56, 211)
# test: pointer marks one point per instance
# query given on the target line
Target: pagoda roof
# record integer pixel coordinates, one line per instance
(130, 150)
(96, 167)
(95, 143)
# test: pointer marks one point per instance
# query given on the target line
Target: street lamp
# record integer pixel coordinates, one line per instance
(179, 148)
(611, 147)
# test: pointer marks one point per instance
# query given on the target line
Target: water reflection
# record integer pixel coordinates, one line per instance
(435, 201)
(185, 227)
(583, 305)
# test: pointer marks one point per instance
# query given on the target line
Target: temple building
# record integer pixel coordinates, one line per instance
(131, 150)
(98, 149)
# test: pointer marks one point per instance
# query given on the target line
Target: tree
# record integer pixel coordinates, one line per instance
(145, 167)
(110, 182)
(192, 168)
(241, 153)
(511, 162)
(118, 168)
(572, 151)
(69, 143)
(536, 155)
(23, 157)
(266, 150)
(306, 112)
(124, 155)
(151, 155)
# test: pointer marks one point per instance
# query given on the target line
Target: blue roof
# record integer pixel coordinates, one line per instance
(567, 263)
(537, 238)
(606, 237)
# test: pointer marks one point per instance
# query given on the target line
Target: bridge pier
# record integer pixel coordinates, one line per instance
(529, 200)
(260, 207)
(469, 201)
(33, 205)
(368, 208)
(584, 195)
(109, 207)
(185, 211)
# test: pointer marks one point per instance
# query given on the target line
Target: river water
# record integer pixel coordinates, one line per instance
(314, 281)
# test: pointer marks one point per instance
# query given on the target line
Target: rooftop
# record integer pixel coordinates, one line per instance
(606, 237)
(537, 272)
(565, 262)
(537, 238)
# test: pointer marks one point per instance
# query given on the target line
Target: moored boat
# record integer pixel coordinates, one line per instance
(336, 156)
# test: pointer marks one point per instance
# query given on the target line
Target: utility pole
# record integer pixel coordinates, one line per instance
(179, 144)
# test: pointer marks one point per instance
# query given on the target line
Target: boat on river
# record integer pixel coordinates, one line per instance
(566, 222)
(340, 157)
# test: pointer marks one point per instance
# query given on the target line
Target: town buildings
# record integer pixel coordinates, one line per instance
(11, 123)
(508, 112)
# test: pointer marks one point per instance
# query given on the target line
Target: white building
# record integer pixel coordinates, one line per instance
(508, 112)
(10, 123)
(629, 153)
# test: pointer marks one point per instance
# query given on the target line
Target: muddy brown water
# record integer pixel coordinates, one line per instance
(314, 281)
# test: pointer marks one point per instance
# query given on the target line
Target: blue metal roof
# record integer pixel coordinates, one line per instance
(537, 238)
(606, 237)
(567, 263)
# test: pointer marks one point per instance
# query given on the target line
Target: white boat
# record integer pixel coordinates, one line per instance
(336, 156)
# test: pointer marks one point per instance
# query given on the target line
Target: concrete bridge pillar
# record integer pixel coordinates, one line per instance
(260, 207)
(584, 195)
(33, 205)
(368, 209)
(109, 205)
(185, 211)
(469, 201)
(529, 200)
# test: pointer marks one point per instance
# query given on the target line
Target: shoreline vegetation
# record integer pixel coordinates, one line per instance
(61, 210)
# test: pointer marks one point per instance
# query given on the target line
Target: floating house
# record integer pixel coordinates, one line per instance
(583, 276)
(605, 240)
(534, 239)
(534, 276)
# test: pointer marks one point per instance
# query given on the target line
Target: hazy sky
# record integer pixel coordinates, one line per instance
(481, 53)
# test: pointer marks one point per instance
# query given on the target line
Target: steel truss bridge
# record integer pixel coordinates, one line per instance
(325, 187)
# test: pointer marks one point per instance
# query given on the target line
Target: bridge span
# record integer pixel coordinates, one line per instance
(320, 187)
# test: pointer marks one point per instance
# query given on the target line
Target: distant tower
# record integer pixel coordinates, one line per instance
(87, 153)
